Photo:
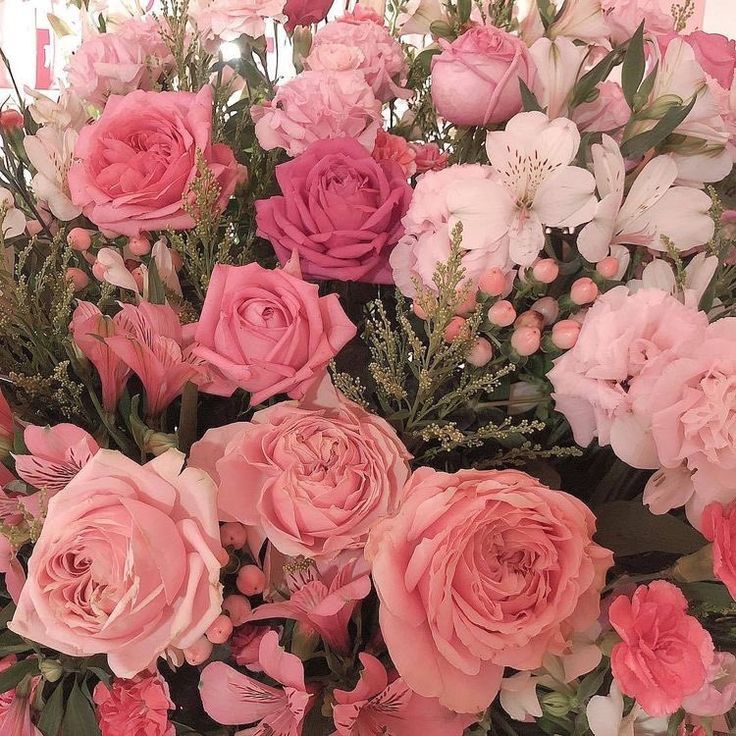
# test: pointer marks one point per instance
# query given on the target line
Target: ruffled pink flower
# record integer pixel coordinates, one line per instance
(718, 695)
(376, 705)
(226, 20)
(665, 654)
(623, 17)
(719, 527)
(714, 52)
(318, 105)
(233, 699)
(428, 157)
(55, 455)
(378, 55)
(15, 708)
(139, 706)
(395, 148)
(324, 603)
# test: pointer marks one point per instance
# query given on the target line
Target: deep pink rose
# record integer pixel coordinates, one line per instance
(139, 706)
(340, 210)
(305, 12)
(714, 52)
(312, 477)
(135, 164)
(268, 332)
(127, 564)
(665, 654)
(318, 106)
(719, 527)
(480, 570)
(475, 80)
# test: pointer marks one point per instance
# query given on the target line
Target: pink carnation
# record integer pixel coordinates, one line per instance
(719, 527)
(623, 17)
(665, 654)
(226, 20)
(480, 570)
(395, 148)
(139, 706)
(429, 157)
(318, 105)
(373, 50)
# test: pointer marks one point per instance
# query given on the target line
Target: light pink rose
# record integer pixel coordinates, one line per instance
(623, 17)
(136, 163)
(480, 570)
(665, 654)
(305, 12)
(475, 80)
(380, 57)
(621, 334)
(608, 113)
(714, 52)
(318, 105)
(139, 706)
(313, 477)
(268, 332)
(227, 20)
(132, 57)
(127, 564)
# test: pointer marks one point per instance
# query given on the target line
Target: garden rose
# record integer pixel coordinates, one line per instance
(139, 706)
(312, 477)
(475, 80)
(268, 332)
(134, 165)
(340, 210)
(127, 563)
(480, 570)
(714, 52)
(315, 106)
(665, 654)
(305, 12)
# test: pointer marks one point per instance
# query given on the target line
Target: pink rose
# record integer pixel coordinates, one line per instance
(305, 12)
(665, 654)
(315, 106)
(475, 80)
(381, 59)
(127, 564)
(340, 210)
(429, 157)
(480, 570)
(623, 17)
(139, 706)
(312, 477)
(136, 163)
(268, 332)
(227, 20)
(714, 52)
(719, 527)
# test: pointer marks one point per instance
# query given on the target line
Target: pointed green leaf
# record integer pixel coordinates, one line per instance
(52, 713)
(463, 11)
(588, 82)
(529, 99)
(640, 144)
(642, 96)
(13, 675)
(79, 717)
(632, 71)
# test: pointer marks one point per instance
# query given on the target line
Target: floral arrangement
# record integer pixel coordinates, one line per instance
(389, 388)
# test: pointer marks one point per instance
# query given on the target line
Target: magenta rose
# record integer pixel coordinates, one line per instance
(714, 52)
(135, 164)
(340, 210)
(480, 570)
(268, 332)
(305, 12)
(475, 80)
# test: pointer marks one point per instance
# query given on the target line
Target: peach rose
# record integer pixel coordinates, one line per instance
(127, 563)
(480, 570)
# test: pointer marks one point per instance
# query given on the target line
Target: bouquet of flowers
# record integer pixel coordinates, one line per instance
(386, 385)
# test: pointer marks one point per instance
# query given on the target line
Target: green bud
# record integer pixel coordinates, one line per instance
(51, 669)
(557, 704)
(695, 567)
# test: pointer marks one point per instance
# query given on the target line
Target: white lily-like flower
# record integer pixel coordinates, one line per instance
(417, 16)
(606, 717)
(559, 64)
(13, 220)
(653, 207)
(519, 697)
(533, 186)
(581, 20)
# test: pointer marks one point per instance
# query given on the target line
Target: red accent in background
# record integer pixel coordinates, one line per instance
(44, 73)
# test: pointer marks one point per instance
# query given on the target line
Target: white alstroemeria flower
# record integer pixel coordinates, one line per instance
(519, 698)
(13, 220)
(558, 63)
(606, 717)
(417, 16)
(533, 187)
(51, 152)
(652, 208)
(582, 20)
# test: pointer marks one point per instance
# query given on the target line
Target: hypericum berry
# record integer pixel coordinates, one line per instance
(199, 652)
(480, 353)
(251, 580)
(546, 270)
(454, 328)
(565, 334)
(502, 313)
(233, 534)
(79, 239)
(583, 291)
(548, 307)
(139, 245)
(237, 607)
(78, 278)
(220, 630)
(526, 340)
(608, 267)
(493, 282)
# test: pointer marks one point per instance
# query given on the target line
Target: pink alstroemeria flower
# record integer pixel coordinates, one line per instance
(15, 708)
(376, 706)
(232, 698)
(324, 603)
(56, 455)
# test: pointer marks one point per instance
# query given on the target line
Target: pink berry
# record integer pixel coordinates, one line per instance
(237, 607)
(608, 267)
(480, 353)
(79, 239)
(583, 291)
(546, 270)
(548, 307)
(233, 534)
(502, 313)
(139, 245)
(468, 305)
(199, 652)
(98, 271)
(565, 334)
(530, 318)
(250, 580)
(526, 340)
(220, 630)
(493, 282)
(417, 309)
(78, 278)
(453, 329)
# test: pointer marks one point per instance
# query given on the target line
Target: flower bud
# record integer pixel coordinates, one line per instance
(139, 245)
(219, 630)
(530, 318)
(546, 270)
(526, 340)
(199, 652)
(608, 267)
(452, 331)
(237, 607)
(565, 334)
(11, 120)
(502, 313)
(51, 669)
(233, 534)
(583, 291)
(480, 353)
(492, 282)
(79, 239)
(556, 704)
(78, 278)
(548, 307)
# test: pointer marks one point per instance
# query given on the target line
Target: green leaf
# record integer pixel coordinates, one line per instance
(11, 643)
(529, 99)
(629, 528)
(79, 718)
(675, 721)
(6, 614)
(642, 96)
(13, 675)
(423, 61)
(463, 11)
(156, 291)
(588, 82)
(52, 713)
(640, 144)
(715, 594)
(442, 29)
(632, 71)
